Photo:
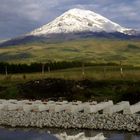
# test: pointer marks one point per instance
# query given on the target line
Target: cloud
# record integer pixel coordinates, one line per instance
(20, 16)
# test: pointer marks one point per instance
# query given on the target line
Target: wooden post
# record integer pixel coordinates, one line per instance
(6, 71)
(49, 64)
(121, 69)
(43, 68)
(83, 70)
(104, 72)
(49, 70)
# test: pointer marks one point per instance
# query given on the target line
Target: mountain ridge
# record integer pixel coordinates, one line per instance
(79, 20)
(75, 24)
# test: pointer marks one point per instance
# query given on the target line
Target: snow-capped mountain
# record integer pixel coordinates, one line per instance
(75, 24)
(78, 20)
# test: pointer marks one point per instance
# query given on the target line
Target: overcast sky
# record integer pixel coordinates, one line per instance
(21, 16)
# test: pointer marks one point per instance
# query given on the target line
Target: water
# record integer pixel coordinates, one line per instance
(42, 134)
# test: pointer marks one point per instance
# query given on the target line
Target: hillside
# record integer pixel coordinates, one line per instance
(89, 50)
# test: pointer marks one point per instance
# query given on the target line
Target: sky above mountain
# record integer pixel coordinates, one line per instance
(18, 17)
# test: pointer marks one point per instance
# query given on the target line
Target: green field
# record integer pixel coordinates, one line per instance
(90, 72)
(97, 83)
(88, 50)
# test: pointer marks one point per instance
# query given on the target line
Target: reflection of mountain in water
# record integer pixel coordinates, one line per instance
(80, 136)
(42, 134)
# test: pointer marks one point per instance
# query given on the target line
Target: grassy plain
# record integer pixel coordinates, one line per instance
(106, 82)
(98, 82)
(88, 50)
(90, 72)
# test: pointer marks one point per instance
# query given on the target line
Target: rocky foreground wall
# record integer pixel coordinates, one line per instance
(80, 120)
(88, 115)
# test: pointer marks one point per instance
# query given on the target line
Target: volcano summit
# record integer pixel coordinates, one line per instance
(75, 24)
(78, 20)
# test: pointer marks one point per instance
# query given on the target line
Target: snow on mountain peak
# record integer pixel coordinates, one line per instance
(79, 20)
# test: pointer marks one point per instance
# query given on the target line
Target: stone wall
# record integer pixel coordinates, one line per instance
(93, 115)
(70, 120)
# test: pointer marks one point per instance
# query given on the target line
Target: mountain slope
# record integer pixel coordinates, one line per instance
(88, 50)
(76, 35)
(75, 24)
(78, 20)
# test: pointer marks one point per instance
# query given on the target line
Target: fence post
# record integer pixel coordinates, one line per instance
(49, 70)
(104, 72)
(83, 70)
(6, 71)
(121, 69)
(43, 68)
